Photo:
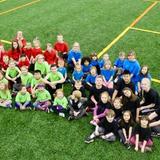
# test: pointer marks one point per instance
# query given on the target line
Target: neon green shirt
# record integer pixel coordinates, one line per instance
(42, 95)
(43, 67)
(26, 79)
(4, 80)
(54, 76)
(61, 101)
(35, 82)
(5, 95)
(12, 72)
(22, 98)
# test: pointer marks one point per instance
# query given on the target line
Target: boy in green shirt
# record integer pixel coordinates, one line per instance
(23, 99)
(2, 78)
(43, 98)
(5, 96)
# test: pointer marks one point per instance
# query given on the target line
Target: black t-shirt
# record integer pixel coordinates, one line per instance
(144, 133)
(97, 92)
(108, 127)
(121, 85)
(151, 97)
(131, 106)
(118, 112)
(103, 106)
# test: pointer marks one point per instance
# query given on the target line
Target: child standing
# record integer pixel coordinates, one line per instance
(142, 137)
(77, 105)
(60, 103)
(118, 64)
(23, 99)
(106, 128)
(43, 98)
(20, 39)
(5, 96)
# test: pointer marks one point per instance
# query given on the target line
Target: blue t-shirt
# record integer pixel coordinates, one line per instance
(119, 63)
(94, 63)
(140, 77)
(85, 68)
(101, 63)
(77, 75)
(91, 79)
(75, 55)
(107, 73)
(62, 70)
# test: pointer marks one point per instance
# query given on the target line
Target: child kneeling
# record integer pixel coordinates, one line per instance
(105, 129)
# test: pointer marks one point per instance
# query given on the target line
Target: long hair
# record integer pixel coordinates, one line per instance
(18, 48)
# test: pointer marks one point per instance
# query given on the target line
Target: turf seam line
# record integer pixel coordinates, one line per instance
(144, 30)
(19, 7)
(127, 29)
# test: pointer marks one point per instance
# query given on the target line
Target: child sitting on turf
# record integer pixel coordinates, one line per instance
(126, 128)
(77, 105)
(60, 103)
(43, 98)
(86, 66)
(91, 78)
(144, 73)
(74, 56)
(26, 78)
(23, 61)
(5, 62)
(15, 52)
(37, 79)
(142, 136)
(41, 65)
(5, 96)
(12, 74)
(95, 62)
(106, 128)
(107, 72)
(50, 54)
(23, 99)
(118, 64)
(61, 68)
(61, 47)
(101, 108)
(77, 74)
(102, 61)
(118, 108)
(79, 86)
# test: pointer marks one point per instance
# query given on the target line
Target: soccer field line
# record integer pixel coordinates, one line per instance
(4, 41)
(145, 30)
(19, 7)
(126, 29)
(2, 1)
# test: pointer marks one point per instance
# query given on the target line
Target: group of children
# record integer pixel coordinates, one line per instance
(34, 79)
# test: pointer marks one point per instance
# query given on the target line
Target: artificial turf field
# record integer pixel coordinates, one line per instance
(94, 24)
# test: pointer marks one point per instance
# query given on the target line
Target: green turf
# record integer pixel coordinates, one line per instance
(93, 23)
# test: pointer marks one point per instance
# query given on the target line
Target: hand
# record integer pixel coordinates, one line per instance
(136, 148)
(95, 117)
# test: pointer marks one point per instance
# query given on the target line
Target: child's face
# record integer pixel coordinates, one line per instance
(145, 85)
(60, 63)
(37, 76)
(126, 78)
(78, 68)
(15, 45)
(107, 66)
(19, 34)
(78, 85)
(49, 48)
(127, 93)
(23, 90)
(60, 94)
(99, 81)
(144, 122)
(126, 116)
(104, 98)
(144, 70)
(2, 86)
(41, 89)
(110, 119)
(60, 38)
(106, 57)
(28, 45)
(23, 58)
(76, 48)
(94, 58)
(54, 69)
(5, 58)
(93, 72)
(86, 63)
(122, 57)
(36, 44)
(12, 65)
(117, 104)
(131, 57)
(1, 48)
(24, 71)
(40, 59)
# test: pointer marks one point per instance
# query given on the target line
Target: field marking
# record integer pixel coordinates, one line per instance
(155, 80)
(4, 41)
(19, 7)
(127, 29)
(2, 1)
(144, 30)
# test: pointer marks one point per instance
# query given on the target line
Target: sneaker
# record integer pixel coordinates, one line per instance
(148, 149)
(62, 114)
(154, 134)
(89, 140)
(70, 118)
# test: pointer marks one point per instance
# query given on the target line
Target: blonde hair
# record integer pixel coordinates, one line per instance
(77, 94)
(110, 113)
